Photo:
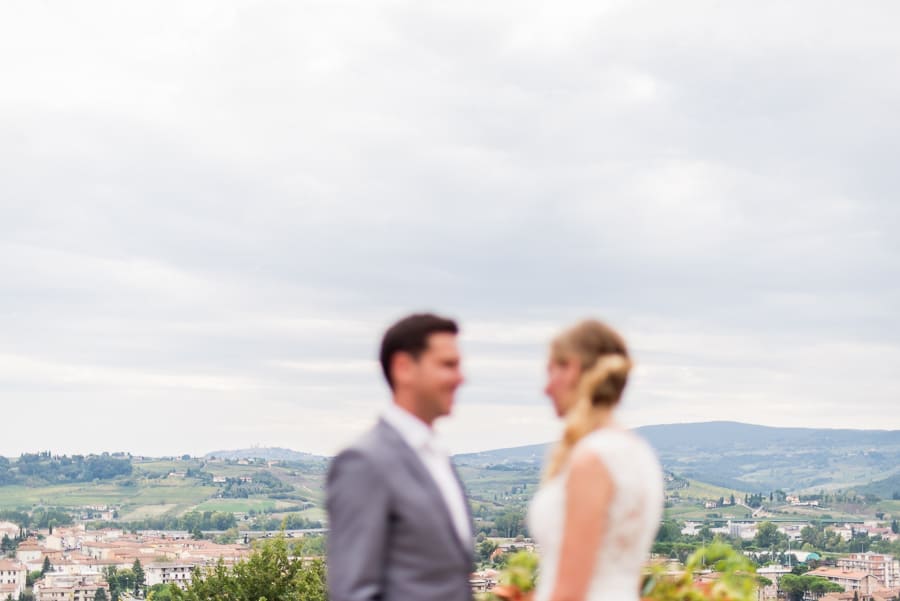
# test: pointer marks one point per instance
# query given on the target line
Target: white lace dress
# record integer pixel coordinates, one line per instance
(634, 516)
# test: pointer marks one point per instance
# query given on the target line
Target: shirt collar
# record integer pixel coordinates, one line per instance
(414, 431)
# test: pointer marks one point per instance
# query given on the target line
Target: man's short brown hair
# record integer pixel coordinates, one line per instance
(410, 335)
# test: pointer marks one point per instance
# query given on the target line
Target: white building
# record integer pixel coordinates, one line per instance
(81, 591)
(849, 579)
(9, 529)
(742, 530)
(691, 528)
(883, 567)
(165, 573)
(12, 578)
(29, 552)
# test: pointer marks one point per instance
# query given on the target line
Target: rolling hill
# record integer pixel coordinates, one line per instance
(747, 457)
(706, 460)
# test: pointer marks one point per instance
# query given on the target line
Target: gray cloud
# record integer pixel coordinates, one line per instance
(216, 208)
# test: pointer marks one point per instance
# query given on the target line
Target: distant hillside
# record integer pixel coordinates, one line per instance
(728, 436)
(268, 454)
(531, 455)
(889, 488)
(753, 458)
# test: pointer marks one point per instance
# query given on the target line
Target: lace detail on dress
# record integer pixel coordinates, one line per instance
(634, 514)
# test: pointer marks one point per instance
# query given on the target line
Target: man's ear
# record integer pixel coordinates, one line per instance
(401, 367)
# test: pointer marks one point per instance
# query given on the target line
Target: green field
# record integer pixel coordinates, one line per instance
(177, 494)
(702, 490)
(148, 511)
(694, 511)
(145, 494)
(314, 513)
(237, 505)
(165, 466)
(892, 507)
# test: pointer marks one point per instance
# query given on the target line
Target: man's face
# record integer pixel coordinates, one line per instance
(436, 375)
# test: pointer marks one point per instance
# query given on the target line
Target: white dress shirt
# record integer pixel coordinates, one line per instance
(418, 435)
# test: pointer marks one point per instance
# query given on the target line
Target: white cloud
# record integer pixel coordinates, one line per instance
(217, 207)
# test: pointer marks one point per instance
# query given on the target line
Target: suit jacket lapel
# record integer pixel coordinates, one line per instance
(411, 459)
(470, 553)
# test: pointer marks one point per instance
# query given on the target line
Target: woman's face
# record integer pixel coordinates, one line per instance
(562, 380)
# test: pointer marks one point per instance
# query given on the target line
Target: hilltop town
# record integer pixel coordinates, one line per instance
(117, 526)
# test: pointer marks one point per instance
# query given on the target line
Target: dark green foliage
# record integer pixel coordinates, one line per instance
(767, 535)
(797, 586)
(511, 523)
(7, 544)
(120, 581)
(44, 468)
(165, 592)
(269, 574)
(139, 579)
(262, 483)
(47, 517)
(42, 517)
(754, 500)
(193, 520)
(292, 521)
(17, 517)
(669, 532)
(485, 550)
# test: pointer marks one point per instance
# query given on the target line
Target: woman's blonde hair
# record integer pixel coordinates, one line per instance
(604, 362)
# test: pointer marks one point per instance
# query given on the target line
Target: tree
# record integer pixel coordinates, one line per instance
(111, 574)
(895, 527)
(310, 546)
(139, 579)
(820, 586)
(669, 532)
(125, 578)
(100, 595)
(165, 592)
(797, 586)
(486, 549)
(815, 537)
(767, 535)
(269, 573)
(46, 567)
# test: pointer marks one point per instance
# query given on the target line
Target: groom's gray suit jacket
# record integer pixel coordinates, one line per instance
(390, 535)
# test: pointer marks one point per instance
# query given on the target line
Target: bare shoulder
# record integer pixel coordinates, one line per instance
(588, 472)
(586, 463)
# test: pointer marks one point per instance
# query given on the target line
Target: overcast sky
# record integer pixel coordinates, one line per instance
(210, 211)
